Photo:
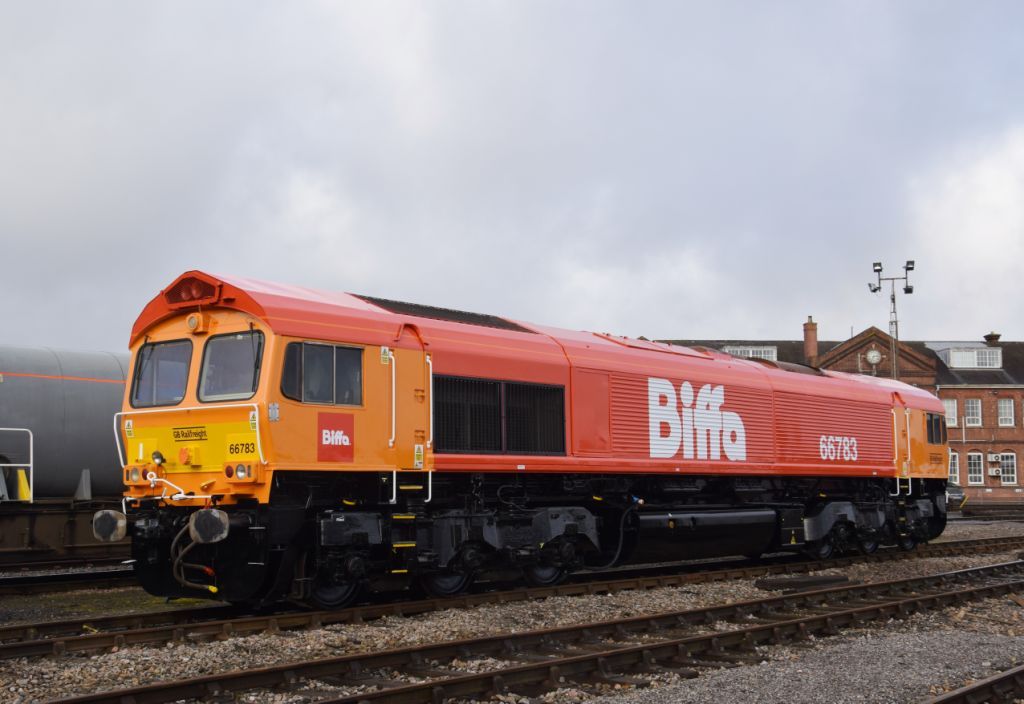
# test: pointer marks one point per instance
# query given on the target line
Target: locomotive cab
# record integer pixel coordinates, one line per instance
(218, 405)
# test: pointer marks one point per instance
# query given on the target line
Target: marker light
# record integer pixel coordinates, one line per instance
(240, 472)
(135, 474)
(158, 458)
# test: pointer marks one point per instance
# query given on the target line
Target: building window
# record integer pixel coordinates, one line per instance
(972, 412)
(991, 358)
(973, 357)
(1008, 468)
(1006, 412)
(769, 352)
(954, 467)
(975, 469)
(950, 404)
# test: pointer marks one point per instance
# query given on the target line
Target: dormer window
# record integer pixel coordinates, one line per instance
(990, 358)
(769, 352)
(973, 357)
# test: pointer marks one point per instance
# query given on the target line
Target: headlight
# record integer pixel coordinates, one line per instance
(240, 472)
(135, 474)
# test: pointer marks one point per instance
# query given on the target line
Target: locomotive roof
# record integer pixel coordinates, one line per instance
(298, 311)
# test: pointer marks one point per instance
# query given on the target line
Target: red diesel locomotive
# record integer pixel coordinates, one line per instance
(279, 442)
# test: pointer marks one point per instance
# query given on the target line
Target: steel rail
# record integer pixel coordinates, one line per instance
(68, 563)
(66, 581)
(604, 665)
(96, 634)
(776, 623)
(1000, 687)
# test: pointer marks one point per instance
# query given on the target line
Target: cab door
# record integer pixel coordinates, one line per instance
(901, 435)
(409, 399)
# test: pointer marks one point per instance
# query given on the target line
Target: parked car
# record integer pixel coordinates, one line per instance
(955, 496)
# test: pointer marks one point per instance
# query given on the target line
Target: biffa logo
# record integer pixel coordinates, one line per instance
(336, 433)
(700, 426)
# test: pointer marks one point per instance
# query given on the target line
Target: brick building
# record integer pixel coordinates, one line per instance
(980, 382)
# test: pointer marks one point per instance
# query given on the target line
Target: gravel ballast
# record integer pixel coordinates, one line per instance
(24, 681)
(894, 667)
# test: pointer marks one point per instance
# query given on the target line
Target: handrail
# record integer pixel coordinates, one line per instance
(895, 439)
(254, 418)
(430, 432)
(31, 461)
(394, 365)
(906, 413)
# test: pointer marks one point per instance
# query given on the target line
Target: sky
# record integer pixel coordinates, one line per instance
(666, 169)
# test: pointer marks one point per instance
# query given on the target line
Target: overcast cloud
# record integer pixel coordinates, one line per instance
(693, 170)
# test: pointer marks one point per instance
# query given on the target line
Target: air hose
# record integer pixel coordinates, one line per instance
(622, 541)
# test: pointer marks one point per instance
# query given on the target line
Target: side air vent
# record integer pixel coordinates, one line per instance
(487, 416)
(455, 316)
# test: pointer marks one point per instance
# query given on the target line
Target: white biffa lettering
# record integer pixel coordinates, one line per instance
(698, 424)
(661, 413)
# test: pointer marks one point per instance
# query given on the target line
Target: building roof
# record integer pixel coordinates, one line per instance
(1011, 374)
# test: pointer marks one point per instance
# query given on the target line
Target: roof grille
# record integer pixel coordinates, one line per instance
(455, 316)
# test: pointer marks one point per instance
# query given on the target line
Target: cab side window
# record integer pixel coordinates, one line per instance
(325, 374)
(936, 427)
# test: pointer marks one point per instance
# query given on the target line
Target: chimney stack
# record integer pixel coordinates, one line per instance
(992, 339)
(810, 341)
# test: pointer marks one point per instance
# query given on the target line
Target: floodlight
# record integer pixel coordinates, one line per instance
(877, 267)
(874, 288)
(908, 289)
(909, 266)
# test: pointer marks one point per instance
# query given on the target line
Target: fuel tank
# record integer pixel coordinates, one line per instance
(68, 400)
(689, 535)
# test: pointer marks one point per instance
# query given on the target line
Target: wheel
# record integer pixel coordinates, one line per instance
(445, 584)
(906, 542)
(867, 546)
(329, 596)
(544, 575)
(936, 524)
(821, 549)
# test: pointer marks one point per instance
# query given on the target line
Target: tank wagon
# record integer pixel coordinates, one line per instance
(279, 442)
(58, 459)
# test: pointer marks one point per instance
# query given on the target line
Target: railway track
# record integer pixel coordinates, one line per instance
(68, 563)
(611, 652)
(97, 634)
(37, 583)
(1002, 687)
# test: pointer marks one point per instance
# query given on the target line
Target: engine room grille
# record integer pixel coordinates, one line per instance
(491, 417)
(455, 316)
(467, 414)
(535, 419)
